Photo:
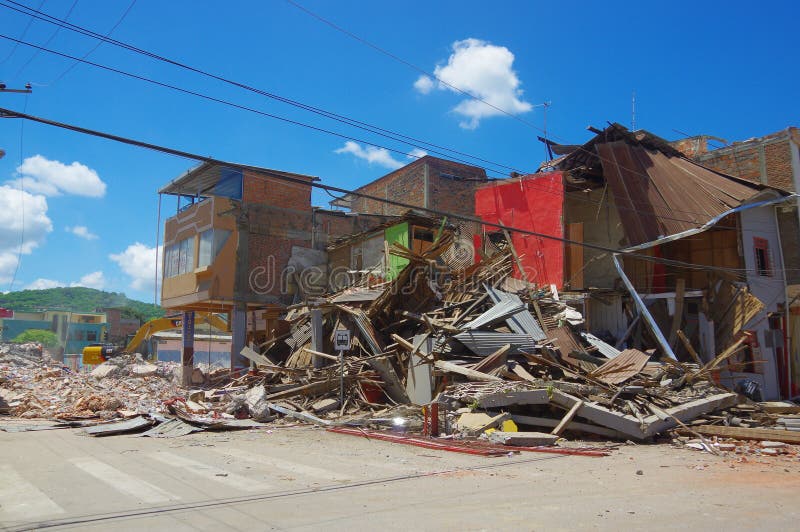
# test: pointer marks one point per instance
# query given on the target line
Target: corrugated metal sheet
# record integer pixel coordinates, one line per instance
(659, 195)
(120, 427)
(171, 429)
(619, 369)
(498, 312)
(486, 342)
(521, 323)
(608, 351)
(300, 337)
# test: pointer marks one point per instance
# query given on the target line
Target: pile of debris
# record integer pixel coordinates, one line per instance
(476, 340)
(463, 352)
(43, 388)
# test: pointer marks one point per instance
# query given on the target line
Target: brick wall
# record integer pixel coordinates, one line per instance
(766, 160)
(450, 187)
(277, 217)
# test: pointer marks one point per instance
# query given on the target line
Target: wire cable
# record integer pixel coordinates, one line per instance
(48, 41)
(340, 118)
(23, 34)
(96, 46)
(313, 184)
(322, 130)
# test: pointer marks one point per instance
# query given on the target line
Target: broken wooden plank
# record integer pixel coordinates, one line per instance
(494, 360)
(689, 349)
(677, 316)
(468, 373)
(314, 388)
(567, 418)
(741, 433)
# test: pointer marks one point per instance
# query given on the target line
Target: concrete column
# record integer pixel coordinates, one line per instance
(187, 357)
(239, 364)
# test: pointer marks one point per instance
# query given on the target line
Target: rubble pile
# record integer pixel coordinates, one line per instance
(123, 386)
(464, 352)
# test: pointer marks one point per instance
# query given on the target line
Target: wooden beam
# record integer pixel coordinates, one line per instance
(688, 345)
(680, 290)
(468, 373)
(567, 418)
(741, 433)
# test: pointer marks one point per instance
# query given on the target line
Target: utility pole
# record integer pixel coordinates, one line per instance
(26, 90)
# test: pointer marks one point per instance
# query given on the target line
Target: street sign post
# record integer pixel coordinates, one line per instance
(341, 342)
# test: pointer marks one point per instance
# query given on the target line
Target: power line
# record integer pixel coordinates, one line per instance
(322, 112)
(96, 46)
(323, 130)
(49, 39)
(23, 34)
(7, 113)
(340, 118)
(412, 65)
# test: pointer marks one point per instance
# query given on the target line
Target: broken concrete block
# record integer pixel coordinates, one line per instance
(143, 370)
(325, 405)
(106, 369)
(476, 423)
(198, 377)
(257, 404)
(523, 439)
(772, 444)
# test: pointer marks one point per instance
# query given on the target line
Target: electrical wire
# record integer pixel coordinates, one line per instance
(96, 46)
(413, 66)
(23, 34)
(49, 39)
(412, 141)
(322, 130)
(340, 118)
(315, 184)
(230, 501)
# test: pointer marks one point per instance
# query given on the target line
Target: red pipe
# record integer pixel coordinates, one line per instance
(479, 449)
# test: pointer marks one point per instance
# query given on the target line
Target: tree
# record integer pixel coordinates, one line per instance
(46, 338)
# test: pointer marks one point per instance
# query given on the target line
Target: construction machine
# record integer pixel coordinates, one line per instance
(99, 353)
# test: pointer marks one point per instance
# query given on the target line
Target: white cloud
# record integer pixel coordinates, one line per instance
(43, 284)
(22, 214)
(379, 156)
(371, 154)
(81, 231)
(424, 84)
(92, 280)
(484, 70)
(139, 262)
(41, 175)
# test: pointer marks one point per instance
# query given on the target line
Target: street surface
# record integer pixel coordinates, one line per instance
(302, 478)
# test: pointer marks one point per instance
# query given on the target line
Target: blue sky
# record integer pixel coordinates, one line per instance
(727, 69)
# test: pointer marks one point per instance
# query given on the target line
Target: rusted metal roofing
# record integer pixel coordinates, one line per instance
(623, 367)
(658, 195)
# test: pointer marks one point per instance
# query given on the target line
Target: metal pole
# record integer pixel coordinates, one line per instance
(341, 379)
(643, 309)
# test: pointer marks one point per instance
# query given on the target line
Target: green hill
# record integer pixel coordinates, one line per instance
(78, 299)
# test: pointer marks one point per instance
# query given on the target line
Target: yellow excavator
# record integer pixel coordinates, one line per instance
(99, 353)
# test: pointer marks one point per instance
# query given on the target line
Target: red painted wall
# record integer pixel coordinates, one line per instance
(534, 203)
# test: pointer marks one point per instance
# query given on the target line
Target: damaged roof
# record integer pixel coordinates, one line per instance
(657, 191)
(201, 179)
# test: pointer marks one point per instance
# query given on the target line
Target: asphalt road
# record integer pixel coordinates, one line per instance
(303, 478)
